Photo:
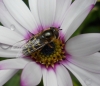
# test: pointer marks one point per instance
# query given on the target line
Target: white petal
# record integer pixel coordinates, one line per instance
(21, 13)
(34, 10)
(90, 63)
(51, 78)
(46, 12)
(61, 8)
(7, 20)
(63, 77)
(31, 75)
(44, 71)
(5, 75)
(86, 78)
(8, 36)
(83, 45)
(75, 15)
(8, 53)
(14, 63)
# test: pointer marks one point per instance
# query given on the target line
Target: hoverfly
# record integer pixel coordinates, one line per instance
(39, 40)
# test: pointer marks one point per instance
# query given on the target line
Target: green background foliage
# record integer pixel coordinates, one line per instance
(90, 25)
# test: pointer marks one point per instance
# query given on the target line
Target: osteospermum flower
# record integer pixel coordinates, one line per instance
(52, 61)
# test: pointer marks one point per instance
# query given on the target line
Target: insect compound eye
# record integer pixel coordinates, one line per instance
(55, 31)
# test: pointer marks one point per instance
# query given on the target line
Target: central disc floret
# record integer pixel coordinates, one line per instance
(46, 47)
(50, 54)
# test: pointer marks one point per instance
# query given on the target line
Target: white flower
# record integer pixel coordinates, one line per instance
(81, 59)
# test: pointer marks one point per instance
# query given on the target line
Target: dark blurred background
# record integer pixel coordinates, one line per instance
(90, 25)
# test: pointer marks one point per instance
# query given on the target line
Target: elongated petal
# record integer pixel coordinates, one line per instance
(61, 8)
(8, 36)
(86, 78)
(34, 9)
(7, 20)
(13, 63)
(7, 52)
(21, 13)
(5, 75)
(63, 77)
(75, 15)
(51, 78)
(31, 75)
(46, 12)
(83, 45)
(44, 71)
(90, 63)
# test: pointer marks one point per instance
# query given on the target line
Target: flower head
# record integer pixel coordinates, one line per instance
(40, 38)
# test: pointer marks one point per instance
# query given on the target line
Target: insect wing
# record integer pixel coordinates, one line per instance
(33, 45)
(19, 45)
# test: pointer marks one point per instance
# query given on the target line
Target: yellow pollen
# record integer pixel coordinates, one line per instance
(49, 60)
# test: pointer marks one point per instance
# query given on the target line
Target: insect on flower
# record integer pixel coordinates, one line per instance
(39, 40)
(50, 53)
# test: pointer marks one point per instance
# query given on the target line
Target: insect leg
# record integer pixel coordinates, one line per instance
(49, 45)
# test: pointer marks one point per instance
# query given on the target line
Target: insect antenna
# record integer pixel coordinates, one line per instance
(59, 28)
